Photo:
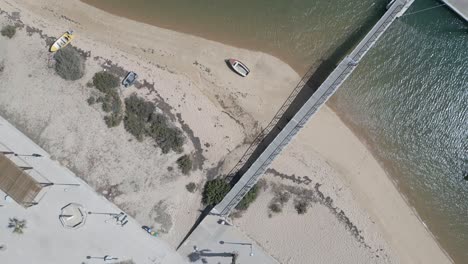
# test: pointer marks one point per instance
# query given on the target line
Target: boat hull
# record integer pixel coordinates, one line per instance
(238, 67)
(63, 41)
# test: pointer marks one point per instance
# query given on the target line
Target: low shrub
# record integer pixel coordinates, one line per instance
(111, 103)
(69, 64)
(248, 198)
(91, 100)
(138, 114)
(8, 31)
(214, 191)
(276, 207)
(185, 164)
(301, 207)
(141, 120)
(113, 119)
(169, 138)
(105, 82)
(191, 187)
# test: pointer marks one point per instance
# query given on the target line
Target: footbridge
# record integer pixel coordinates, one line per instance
(278, 134)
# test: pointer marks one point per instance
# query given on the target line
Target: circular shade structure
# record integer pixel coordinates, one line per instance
(72, 216)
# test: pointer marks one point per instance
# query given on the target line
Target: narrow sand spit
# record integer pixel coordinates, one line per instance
(363, 220)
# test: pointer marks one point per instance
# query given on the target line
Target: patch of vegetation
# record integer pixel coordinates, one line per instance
(69, 64)
(191, 187)
(248, 198)
(111, 103)
(301, 206)
(91, 100)
(167, 138)
(17, 225)
(185, 164)
(214, 191)
(141, 120)
(277, 203)
(105, 82)
(283, 197)
(138, 114)
(275, 207)
(8, 31)
(113, 119)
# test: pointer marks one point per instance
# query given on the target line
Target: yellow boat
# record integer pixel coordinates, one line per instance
(63, 41)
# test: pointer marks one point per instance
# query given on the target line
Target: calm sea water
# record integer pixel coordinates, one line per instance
(408, 99)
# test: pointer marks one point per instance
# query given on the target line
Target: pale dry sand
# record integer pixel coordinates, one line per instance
(219, 111)
(375, 226)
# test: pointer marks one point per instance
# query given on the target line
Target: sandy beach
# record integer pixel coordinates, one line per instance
(356, 215)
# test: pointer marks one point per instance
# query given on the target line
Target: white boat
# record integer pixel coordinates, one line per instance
(239, 67)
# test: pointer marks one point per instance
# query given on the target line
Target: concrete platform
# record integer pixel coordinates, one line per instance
(213, 242)
(459, 6)
(45, 240)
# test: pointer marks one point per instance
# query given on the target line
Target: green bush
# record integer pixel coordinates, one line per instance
(8, 31)
(214, 191)
(138, 114)
(168, 138)
(105, 82)
(185, 164)
(111, 103)
(113, 119)
(69, 64)
(191, 187)
(140, 120)
(248, 198)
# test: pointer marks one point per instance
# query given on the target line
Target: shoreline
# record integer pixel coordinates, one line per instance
(355, 131)
(297, 66)
(300, 70)
(264, 118)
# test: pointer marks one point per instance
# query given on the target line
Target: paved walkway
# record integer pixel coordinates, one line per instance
(46, 241)
(215, 243)
(459, 6)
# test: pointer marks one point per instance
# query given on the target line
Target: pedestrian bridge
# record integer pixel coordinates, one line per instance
(275, 137)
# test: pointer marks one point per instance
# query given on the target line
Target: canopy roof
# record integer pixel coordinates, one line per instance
(16, 183)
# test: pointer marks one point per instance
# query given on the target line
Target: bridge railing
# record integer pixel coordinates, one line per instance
(256, 142)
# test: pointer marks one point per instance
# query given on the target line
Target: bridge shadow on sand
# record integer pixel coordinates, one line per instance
(317, 77)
